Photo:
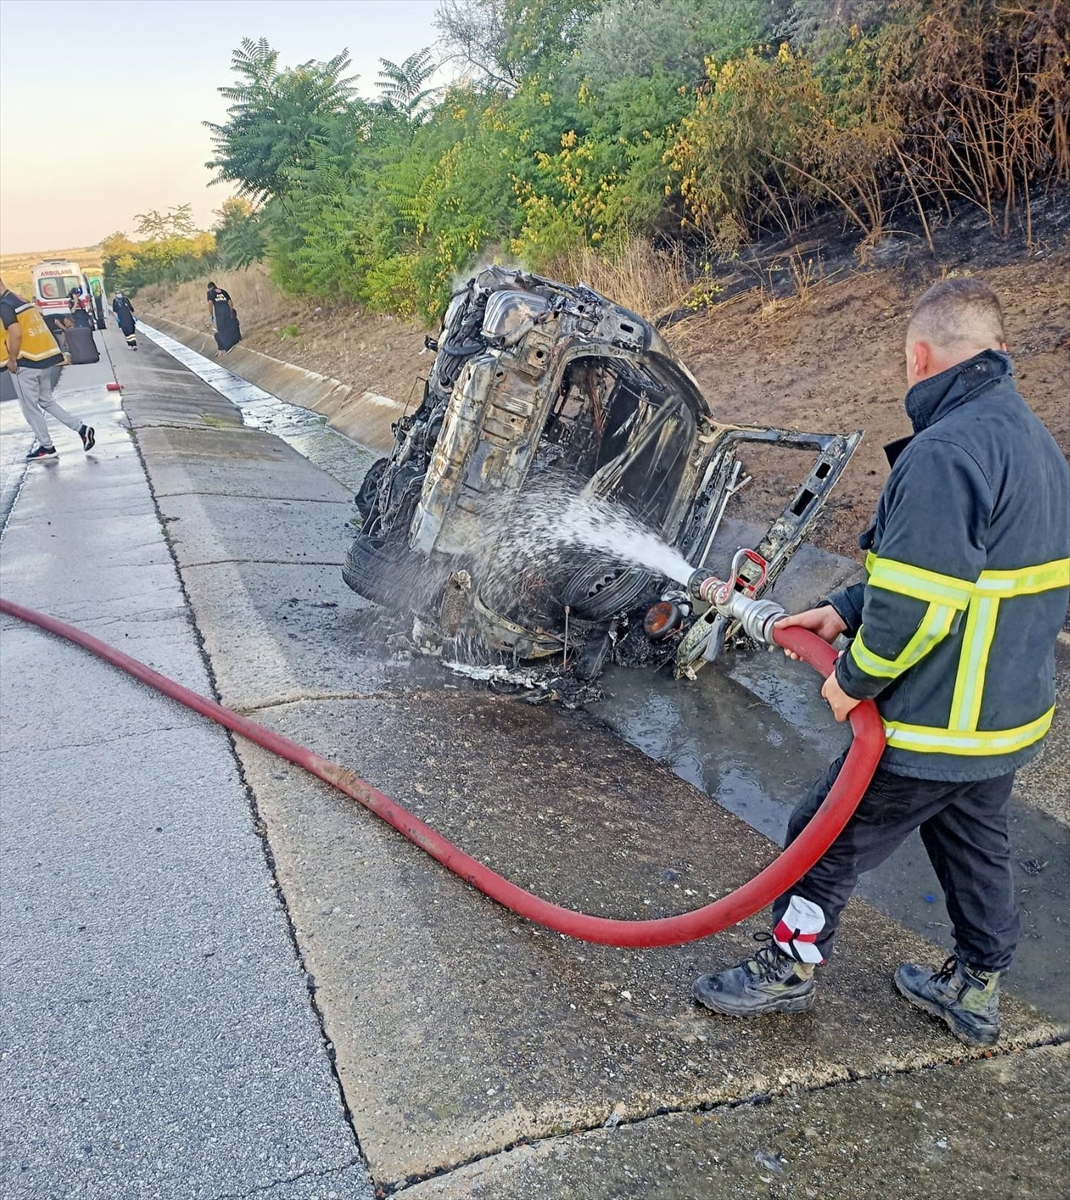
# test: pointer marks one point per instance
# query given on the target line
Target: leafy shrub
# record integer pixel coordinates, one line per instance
(239, 236)
(590, 125)
(171, 252)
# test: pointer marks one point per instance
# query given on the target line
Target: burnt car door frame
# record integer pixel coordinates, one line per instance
(709, 633)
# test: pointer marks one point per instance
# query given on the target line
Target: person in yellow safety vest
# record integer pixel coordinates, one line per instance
(953, 636)
(28, 353)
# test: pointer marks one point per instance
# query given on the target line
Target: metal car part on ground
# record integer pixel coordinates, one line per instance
(539, 389)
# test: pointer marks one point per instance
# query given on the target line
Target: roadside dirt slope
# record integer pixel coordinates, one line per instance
(831, 360)
(834, 361)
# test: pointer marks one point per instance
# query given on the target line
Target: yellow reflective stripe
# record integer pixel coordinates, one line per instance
(917, 583)
(870, 663)
(927, 739)
(934, 627)
(1027, 581)
(920, 584)
(973, 663)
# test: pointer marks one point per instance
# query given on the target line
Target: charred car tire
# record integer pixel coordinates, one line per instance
(381, 573)
(597, 591)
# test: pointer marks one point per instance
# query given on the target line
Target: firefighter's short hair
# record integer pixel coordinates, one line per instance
(958, 313)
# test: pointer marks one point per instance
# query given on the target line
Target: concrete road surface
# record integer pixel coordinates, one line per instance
(159, 1037)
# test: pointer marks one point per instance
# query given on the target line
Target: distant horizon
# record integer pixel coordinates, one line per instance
(64, 253)
(125, 134)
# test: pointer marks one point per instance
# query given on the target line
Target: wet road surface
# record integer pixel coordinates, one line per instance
(753, 733)
(158, 1035)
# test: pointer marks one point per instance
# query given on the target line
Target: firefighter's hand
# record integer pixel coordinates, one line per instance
(837, 699)
(825, 621)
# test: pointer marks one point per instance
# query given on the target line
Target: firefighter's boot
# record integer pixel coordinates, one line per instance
(771, 981)
(965, 998)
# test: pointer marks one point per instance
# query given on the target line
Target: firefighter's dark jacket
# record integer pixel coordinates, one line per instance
(968, 576)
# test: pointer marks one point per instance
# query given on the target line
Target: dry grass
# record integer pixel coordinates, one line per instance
(260, 305)
(639, 276)
(650, 281)
(656, 283)
(1004, 109)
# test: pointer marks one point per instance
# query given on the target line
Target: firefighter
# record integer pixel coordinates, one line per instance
(952, 634)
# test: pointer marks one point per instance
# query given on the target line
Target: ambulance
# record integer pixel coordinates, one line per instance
(52, 283)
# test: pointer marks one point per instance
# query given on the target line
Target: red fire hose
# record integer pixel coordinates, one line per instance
(785, 870)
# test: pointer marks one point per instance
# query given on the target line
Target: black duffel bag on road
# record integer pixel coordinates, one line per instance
(81, 346)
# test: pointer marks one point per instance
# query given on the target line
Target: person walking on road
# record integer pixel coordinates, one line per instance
(29, 352)
(124, 314)
(953, 635)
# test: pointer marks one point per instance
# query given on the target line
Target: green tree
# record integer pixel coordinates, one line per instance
(629, 39)
(175, 222)
(474, 32)
(401, 85)
(168, 256)
(239, 237)
(819, 25)
(276, 116)
(506, 41)
(542, 35)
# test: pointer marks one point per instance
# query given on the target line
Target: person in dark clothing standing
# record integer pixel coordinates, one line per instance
(225, 319)
(78, 303)
(953, 635)
(98, 304)
(124, 314)
(29, 352)
(214, 293)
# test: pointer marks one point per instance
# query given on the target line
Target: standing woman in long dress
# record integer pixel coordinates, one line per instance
(124, 314)
(227, 330)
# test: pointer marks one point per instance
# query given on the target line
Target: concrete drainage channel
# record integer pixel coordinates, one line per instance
(301, 428)
(776, 748)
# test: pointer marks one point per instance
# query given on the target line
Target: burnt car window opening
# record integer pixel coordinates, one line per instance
(625, 432)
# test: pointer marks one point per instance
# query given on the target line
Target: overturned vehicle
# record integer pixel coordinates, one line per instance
(540, 391)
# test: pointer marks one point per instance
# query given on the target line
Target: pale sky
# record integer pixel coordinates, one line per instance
(101, 101)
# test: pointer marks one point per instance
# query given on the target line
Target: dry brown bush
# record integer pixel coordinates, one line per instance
(652, 281)
(982, 93)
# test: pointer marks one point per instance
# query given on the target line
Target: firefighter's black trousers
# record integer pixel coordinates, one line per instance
(964, 829)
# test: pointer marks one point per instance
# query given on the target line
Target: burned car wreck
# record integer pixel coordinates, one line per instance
(539, 389)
